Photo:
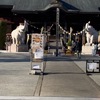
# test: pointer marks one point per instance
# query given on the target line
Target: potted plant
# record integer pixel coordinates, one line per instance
(69, 44)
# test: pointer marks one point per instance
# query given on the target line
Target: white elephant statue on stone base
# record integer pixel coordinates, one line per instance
(91, 34)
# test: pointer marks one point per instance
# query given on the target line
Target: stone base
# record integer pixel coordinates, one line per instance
(17, 48)
(87, 49)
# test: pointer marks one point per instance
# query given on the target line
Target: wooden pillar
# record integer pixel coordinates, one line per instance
(57, 30)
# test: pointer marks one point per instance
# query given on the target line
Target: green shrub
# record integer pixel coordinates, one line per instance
(69, 43)
(3, 30)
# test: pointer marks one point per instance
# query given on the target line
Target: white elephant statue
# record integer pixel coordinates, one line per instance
(91, 33)
(18, 35)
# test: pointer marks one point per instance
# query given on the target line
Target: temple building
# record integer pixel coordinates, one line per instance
(72, 13)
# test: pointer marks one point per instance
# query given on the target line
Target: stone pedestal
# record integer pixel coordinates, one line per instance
(18, 48)
(87, 49)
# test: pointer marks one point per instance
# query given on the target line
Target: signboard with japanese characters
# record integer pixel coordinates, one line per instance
(37, 45)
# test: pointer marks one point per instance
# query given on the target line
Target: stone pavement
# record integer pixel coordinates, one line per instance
(64, 79)
(14, 75)
(82, 64)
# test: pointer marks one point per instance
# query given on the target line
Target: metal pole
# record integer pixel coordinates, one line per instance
(57, 30)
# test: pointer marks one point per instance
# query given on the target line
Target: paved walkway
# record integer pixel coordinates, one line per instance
(14, 75)
(64, 78)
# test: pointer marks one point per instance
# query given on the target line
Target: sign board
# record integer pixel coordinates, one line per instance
(36, 67)
(37, 45)
(38, 55)
(92, 65)
(37, 42)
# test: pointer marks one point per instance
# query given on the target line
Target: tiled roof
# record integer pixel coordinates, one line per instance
(42, 5)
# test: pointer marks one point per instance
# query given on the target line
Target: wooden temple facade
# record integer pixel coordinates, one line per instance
(72, 13)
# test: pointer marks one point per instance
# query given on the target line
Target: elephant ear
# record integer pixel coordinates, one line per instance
(88, 22)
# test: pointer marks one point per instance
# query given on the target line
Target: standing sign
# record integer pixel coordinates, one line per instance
(93, 66)
(37, 45)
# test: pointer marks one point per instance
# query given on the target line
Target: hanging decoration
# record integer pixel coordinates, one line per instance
(64, 31)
